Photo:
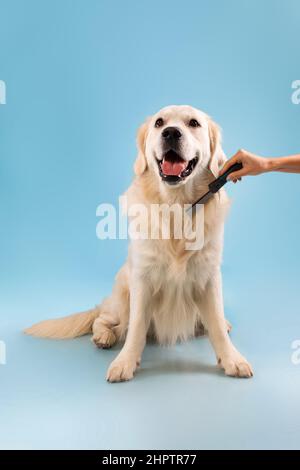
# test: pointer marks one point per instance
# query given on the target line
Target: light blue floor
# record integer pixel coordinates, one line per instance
(53, 394)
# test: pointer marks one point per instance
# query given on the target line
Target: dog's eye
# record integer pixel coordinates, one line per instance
(194, 123)
(159, 122)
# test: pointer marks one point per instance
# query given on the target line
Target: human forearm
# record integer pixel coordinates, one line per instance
(289, 164)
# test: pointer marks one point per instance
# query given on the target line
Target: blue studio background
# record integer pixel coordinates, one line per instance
(81, 76)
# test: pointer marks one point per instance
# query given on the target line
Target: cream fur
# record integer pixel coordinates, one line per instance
(163, 289)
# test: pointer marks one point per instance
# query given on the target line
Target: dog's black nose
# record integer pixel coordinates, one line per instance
(171, 133)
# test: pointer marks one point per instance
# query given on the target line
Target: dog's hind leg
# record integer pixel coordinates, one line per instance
(112, 322)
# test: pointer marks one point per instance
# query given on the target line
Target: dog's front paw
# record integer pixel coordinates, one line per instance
(235, 365)
(121, 369)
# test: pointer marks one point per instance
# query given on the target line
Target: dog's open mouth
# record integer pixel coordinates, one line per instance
(173, 168)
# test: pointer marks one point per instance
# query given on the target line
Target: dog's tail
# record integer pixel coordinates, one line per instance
(72, 326)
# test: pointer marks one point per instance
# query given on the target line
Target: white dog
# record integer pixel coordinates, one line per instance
(164, 289)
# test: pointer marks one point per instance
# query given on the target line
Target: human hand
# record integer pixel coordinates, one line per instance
(252, 165)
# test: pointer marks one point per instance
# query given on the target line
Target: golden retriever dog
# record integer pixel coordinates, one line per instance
(164, 289)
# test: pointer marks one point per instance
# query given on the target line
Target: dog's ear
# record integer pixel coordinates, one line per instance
(217, 155)
(140, 164)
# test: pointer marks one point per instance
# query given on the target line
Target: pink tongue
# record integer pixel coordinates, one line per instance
(174, 169)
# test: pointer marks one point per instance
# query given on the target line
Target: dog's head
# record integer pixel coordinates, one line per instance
(177, 144)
